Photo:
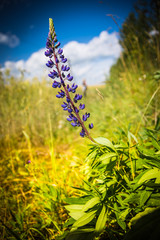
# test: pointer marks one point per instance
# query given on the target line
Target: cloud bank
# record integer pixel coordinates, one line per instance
(90, 61)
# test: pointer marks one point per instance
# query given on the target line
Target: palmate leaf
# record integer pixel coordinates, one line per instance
(85, 219)
(101, 221)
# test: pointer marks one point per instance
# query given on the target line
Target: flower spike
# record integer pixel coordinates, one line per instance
(56, 62)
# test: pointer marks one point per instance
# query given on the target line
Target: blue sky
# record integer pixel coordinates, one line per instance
(24, 24)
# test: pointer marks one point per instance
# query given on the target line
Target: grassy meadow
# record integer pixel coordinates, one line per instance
(43, 157)
(56, 185)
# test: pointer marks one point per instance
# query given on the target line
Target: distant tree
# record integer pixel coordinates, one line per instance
(140, 40)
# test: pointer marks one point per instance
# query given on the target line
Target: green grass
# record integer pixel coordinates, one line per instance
(33, 127)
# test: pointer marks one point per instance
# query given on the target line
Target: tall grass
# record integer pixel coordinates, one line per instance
(41, 155)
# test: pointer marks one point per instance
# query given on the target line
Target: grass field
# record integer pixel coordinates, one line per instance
(42, 156)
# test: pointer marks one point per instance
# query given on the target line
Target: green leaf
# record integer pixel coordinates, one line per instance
(101, 221)
(111, 182)
(79, 201)
(105, 142)
(154, 201)
(68, 223)
(91, 156)
(153, 185)
(150, 174)
(75, 211)
(158, 153)
(120, 222)
(105, 158)
(83, 230)
(130, 135)
(74, 207)
(86, 218)
(124, 214)
(121, 146)
(91, 203)
(155, 144)
(144, 197)
(76, 214)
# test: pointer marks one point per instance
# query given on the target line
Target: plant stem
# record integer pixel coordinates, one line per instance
(73, 106)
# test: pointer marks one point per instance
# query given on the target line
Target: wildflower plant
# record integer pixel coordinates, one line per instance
(60, 73)
(122, 178)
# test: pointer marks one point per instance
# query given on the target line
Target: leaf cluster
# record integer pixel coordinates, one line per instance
(122, 184)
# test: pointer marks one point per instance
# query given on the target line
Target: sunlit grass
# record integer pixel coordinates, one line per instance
(42, 156)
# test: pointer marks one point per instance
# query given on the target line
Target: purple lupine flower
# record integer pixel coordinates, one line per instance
(77, 97)
(84, 118)
(87, 115)
(60, 50)
(67, 68)
(69, 77)
(69, 119)
(82, 133)
(48, 52)
(64, 60)
(50, 63)
(81, 106)
(56, 84)
(74, 124)
(76, 110)
(60, 94)
(56, 61)
(91, 125)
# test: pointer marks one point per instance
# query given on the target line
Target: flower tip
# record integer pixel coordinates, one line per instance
(51, 26)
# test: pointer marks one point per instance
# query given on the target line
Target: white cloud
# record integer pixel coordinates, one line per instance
(34, 66)
(10, 40)
(90, 61)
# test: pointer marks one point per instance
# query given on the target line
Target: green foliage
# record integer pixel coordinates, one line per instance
(123, 181)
